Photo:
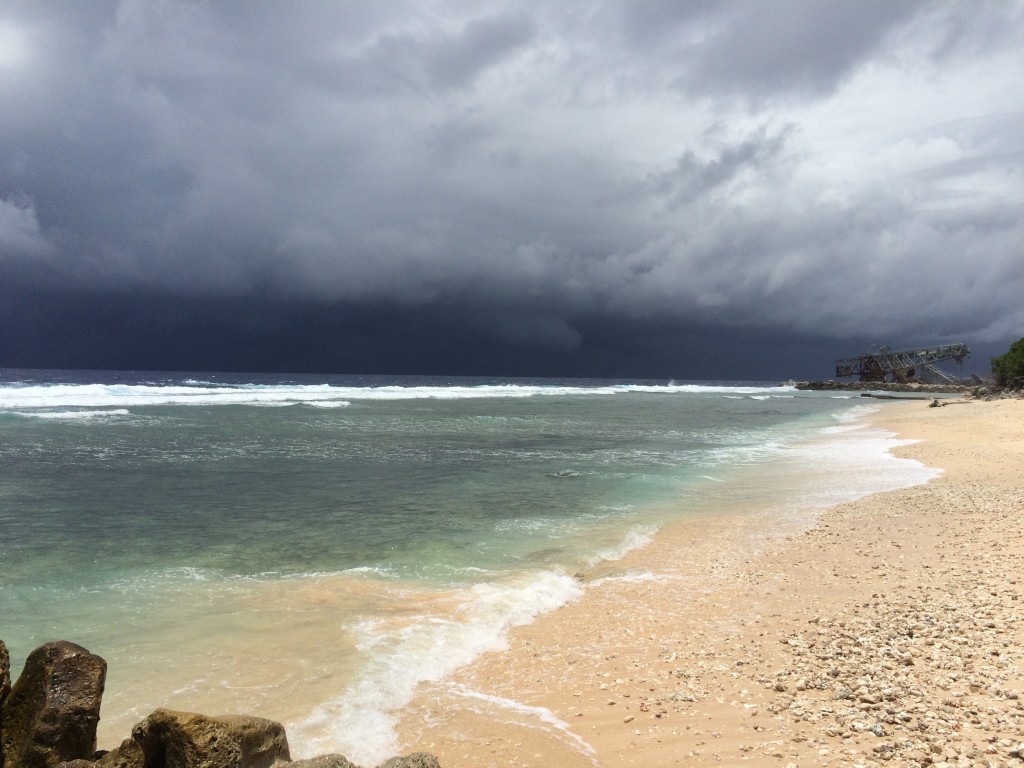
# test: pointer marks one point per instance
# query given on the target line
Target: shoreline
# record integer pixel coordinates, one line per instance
(884, 633)
(282, 659)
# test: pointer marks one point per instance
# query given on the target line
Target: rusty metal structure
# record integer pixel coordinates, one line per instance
(905, 365)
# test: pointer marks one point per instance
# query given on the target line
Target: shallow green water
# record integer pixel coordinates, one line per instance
(353, 537)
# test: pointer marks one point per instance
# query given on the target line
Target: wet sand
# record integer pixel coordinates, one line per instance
(886, 633)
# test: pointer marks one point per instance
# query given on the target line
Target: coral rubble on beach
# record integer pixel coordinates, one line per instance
(926, 670)
(889, 633)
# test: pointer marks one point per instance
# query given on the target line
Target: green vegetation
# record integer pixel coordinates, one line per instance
(1011, 365)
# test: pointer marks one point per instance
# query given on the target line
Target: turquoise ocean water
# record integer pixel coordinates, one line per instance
(309, 548)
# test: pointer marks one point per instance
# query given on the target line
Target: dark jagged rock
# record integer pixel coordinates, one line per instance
(5, 688)
(415, 760)
(51, 713)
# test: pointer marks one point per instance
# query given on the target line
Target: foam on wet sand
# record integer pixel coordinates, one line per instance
(887, 632)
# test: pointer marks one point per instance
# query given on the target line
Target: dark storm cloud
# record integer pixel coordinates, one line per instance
(542, 171)
(791, 45)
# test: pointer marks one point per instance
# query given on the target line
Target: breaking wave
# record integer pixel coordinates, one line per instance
(399, 656)
(19, 397)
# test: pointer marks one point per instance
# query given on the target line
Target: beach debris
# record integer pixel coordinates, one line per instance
(51, 713)
(927, 677)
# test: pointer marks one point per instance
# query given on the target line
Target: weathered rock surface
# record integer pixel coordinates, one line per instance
(1013, 389)
(415, 760)
(51, 713)
(5, 689)
(168, 739)
(5, 675)
(324, 761)
(48, 719)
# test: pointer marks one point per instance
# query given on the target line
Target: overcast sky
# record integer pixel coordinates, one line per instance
(689, 189)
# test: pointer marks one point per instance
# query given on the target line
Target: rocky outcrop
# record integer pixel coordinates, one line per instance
(1014, 388)
(5, 689)
(324, 761)
(415, 760)
(168, 739)
(52, 711)
(881, 386)
(128, 755)
(48, 719)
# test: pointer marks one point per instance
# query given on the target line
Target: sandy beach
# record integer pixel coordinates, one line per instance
(886, 633)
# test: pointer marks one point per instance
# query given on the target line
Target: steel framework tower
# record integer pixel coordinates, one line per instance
(904, 365)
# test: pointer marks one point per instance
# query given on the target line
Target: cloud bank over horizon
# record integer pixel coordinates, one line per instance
(785, 170)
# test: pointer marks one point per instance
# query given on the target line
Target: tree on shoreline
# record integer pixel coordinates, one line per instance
(1010, 365)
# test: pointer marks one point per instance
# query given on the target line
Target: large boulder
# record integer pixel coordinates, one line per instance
(5, 688)
(186, 740)
(51, 713)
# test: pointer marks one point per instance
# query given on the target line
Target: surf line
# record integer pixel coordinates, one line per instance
(543, 714)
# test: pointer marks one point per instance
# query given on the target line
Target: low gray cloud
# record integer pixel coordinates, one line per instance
(834, 169)
(768, 48)
(20, 235)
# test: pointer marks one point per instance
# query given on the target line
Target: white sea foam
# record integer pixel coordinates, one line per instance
(855, 415)
(541, 714)
(636, 537)
(743, 453)
(125, 396)
(90, 415)
(361, 721)
(148, 580)
(197, 393)
(858, 460)
(632, 578)
(375, 570)
(529, 524)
